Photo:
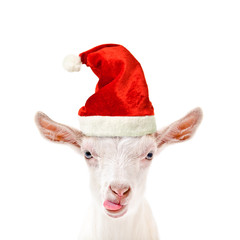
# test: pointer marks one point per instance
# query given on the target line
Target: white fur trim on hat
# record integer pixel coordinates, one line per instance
(108, 126)
(72, 63)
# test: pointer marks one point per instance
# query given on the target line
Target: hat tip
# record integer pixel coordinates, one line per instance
(72, 63)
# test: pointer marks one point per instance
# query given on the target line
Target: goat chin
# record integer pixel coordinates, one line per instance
(138, 224)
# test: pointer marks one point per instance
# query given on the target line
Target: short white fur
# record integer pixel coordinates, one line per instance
(118, 169)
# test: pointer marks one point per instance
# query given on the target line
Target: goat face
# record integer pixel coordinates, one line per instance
(118, 166)
(118, 169)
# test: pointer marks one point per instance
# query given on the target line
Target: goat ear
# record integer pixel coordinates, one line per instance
(180, 130)
(57, 132)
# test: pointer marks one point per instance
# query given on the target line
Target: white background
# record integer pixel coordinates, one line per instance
(190, 53)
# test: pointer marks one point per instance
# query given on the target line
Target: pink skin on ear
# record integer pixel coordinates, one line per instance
(55, 131)
(180, 130)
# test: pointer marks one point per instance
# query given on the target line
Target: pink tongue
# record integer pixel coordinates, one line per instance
(111, 206)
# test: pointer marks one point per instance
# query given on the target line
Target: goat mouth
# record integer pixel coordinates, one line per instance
(114, 210)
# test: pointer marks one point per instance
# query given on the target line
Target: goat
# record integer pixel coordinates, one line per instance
(118, 169)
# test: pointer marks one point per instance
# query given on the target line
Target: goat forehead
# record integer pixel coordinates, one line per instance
(119, 147)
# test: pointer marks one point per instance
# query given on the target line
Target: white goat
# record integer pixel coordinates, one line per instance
(118, 169)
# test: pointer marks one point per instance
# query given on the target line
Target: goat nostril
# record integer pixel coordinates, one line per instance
(113, 190)
(127, 191)
(122, 191)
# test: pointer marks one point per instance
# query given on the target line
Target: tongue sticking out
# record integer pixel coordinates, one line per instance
(111, 206)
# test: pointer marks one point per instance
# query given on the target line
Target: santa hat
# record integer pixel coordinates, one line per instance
(120, 105)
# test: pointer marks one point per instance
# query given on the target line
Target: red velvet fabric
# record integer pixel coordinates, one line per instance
(122, 89)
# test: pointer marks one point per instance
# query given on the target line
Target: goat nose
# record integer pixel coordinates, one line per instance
(120, 190)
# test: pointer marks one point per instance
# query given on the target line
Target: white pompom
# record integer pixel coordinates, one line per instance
(72, 63)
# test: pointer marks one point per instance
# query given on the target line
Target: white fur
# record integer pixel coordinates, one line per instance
(119, 162)
(111, 126)
(137, 226)
(72, 63)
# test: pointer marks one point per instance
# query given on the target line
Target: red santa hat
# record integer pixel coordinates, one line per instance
(120, 106)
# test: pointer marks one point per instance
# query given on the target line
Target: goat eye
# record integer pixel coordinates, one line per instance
(149, 156)
(88, 155)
